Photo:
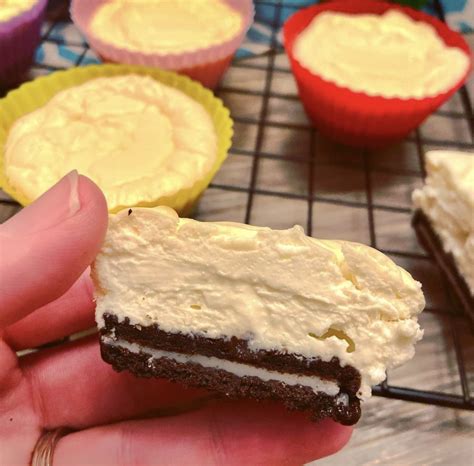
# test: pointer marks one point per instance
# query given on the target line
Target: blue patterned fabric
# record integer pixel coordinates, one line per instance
(459, 14)
(64, 45)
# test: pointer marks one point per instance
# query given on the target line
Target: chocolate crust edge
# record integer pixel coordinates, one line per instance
(297, 397)
(431, 242)
(232, 349)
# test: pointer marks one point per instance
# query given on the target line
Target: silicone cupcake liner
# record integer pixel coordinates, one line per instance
(35, 94)
(356, 118)
(410, 3)
(207, 65)
(19, 38)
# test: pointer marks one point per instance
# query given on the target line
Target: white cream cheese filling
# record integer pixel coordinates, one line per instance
(390, 55)
(317, 384)
(164, 26)
(11, 8)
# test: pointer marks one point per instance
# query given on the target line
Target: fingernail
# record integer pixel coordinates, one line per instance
(56, 205)
(74, 201)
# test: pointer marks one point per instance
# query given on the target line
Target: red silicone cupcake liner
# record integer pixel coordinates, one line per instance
(19, 38)
(355, 118)
(206, 65)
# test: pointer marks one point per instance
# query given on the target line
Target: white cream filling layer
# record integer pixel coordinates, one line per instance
(242, 370)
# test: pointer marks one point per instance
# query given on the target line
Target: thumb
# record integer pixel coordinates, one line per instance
(46, 246)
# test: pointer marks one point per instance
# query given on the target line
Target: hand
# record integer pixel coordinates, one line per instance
(46, 294)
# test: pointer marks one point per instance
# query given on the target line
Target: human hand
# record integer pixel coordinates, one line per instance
(46, 294)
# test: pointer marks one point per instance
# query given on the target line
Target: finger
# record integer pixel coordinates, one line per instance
(71, 313)
(72, 386)
(45, 248)
(230, 433)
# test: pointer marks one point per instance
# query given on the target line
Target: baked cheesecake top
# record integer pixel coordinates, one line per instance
(164, 26)
(389, 55)
(11, 8)
(278, 289)
(137, 138)
(447, 199)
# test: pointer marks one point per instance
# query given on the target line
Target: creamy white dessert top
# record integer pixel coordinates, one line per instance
(447, 199)
(138, 139)
(12, 8)
(389, 55)
(165, 26)
(280, 290)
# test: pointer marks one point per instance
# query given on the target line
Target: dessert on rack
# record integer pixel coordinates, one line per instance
(198, 38)
(370, 72)
(143, 141)
(444, 219)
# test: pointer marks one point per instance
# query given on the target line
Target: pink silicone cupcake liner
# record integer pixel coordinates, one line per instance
(206, 65)
(19, 38)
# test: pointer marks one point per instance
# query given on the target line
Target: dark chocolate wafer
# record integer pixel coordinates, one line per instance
(432, 243)
(295, 397)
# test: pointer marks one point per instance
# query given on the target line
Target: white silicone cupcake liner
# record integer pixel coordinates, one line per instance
(82, 13)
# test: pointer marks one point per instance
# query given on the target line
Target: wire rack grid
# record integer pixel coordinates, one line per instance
(282, 171)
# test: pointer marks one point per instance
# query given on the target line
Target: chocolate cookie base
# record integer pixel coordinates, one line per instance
(431, 242)
(233, 349)
(294, 397)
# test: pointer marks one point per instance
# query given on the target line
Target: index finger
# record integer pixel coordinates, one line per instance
(45, 248)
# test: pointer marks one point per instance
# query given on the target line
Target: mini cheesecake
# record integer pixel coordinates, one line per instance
(253, 312)
(11, 8)
(389, 55)
(163, 26)
(143, 142)
(444, 218)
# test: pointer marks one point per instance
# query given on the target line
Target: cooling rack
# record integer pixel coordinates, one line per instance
(282, 171)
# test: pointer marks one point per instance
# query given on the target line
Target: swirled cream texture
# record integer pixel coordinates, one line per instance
(447, 199)
(165, 26)
(11, 8)
(279, 290)
(138, 139)
(388, 55)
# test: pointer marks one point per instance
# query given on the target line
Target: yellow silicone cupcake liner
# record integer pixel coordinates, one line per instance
(32, 95)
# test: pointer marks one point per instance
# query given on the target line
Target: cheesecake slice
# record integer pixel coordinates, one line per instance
(444, 218)
(253, 312)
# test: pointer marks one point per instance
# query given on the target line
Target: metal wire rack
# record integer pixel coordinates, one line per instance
(281, 172)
